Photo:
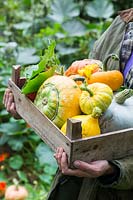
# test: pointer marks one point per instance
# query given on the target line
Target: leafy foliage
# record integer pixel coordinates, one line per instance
(62, 10)
(100, 9)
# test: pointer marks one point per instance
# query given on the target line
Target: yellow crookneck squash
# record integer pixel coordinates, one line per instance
(89, 123)
(95, 95)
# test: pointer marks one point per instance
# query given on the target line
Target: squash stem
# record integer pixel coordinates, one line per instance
(97, 112)
(121, 97)
(85, 88)
(106, 60)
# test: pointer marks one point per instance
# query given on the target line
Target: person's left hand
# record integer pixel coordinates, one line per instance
(9, 103)
(93, 169)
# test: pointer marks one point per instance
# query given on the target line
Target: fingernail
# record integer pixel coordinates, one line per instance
(77, 163)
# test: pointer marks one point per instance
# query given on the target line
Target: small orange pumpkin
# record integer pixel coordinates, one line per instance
(14, 192)
(80, 64)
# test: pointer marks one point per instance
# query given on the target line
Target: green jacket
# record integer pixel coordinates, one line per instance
(90, 188)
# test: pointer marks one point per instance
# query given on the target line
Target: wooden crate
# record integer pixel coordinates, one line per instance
(112, 145)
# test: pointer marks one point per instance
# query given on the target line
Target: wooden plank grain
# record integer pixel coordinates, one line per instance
(49, 133)
(113, 145)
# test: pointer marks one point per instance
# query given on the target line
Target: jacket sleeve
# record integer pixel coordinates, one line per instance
(125, 179)
(110, 42)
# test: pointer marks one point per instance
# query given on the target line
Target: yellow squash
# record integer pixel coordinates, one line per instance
(95, 95)
(89, 124)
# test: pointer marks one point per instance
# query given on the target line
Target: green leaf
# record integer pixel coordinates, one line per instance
(16, 143)
(22, 25)
(46, 178)
(63, 10)
(49, 59)
(74, 28)
(3, 139)
(100, 9)
(29, 70)
(34, 137)
(65, 50)
(48, 55)
(51, 170)
(45, 155)
(22, 176)
(46, 68)
(26, 56)
(32, 85)
(12, 128)
(2, 176)
(16, 162)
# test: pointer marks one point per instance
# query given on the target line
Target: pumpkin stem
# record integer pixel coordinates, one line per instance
(97, 112)
(110, 56)
(121, 97)
(85, 88)
(62, 70)
(16, 183)
(79, 78)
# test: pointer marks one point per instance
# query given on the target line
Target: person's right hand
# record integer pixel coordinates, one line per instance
(8, 101)
(92, 169)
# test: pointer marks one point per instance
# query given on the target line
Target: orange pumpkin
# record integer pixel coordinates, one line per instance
(113, 79)
(80, 64)
(58, 98)
(14, 192)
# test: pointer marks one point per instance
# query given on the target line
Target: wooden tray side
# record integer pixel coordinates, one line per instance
(49, 133)
(107, 146)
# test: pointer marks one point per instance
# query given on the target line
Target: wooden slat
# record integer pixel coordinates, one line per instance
(49, 133)
(74, 129)
(16, 74)
(108, 146)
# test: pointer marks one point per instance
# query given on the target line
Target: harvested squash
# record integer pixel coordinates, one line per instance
(80, 64)
(16, 192)
(118, 116)
(58, 99)
(89, 124)
(95, 95)
(113, 78)
(121, 97)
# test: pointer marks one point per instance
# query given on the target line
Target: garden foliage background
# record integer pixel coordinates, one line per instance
(26, 27)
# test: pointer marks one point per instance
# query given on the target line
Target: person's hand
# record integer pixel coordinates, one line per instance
(8, 101)
(93, 169)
